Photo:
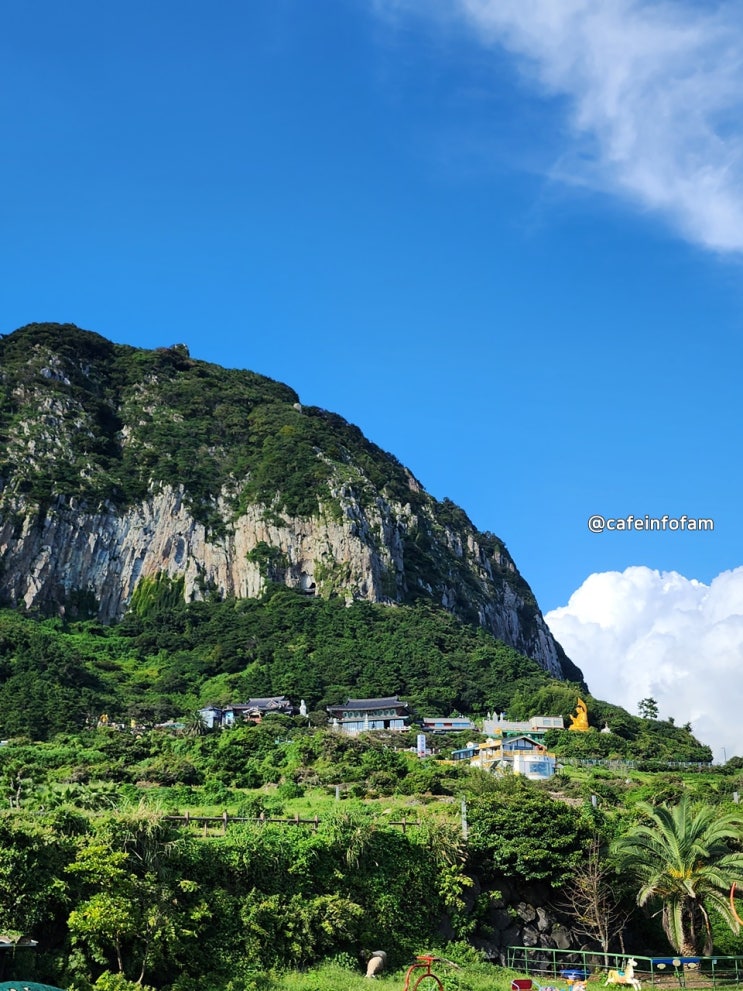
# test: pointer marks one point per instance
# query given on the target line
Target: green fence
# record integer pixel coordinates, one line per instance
(562, 968)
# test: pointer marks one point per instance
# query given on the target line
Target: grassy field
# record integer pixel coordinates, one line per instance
(472, 976)
(615, 787)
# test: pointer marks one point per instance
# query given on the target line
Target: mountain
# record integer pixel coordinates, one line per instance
(119, 464)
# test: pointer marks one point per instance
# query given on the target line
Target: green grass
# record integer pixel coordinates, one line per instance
(475, 975)
(315, 803)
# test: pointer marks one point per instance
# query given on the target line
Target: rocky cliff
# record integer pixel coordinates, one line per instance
(119, 463)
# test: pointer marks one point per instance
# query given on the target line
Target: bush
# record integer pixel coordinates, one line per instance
(290, 789)
(255, 806)
(117, 982)
(520, 830)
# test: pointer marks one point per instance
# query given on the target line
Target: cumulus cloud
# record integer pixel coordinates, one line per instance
(652, 92)
(642, 633)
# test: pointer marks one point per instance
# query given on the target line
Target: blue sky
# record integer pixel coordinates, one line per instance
(504, 238)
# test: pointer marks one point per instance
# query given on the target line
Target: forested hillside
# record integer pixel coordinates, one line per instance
(371, 852)
(119, 465)
(168, 658)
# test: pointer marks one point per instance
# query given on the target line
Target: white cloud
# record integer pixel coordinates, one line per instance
(653, 93)
(641, 633)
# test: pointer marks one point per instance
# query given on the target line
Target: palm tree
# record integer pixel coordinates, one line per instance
(687, 859)
(195, 725)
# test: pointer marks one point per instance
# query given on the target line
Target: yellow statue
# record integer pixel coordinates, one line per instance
(579, 722)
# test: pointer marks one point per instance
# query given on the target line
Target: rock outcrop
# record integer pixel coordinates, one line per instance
(103, 483)
(50, 560)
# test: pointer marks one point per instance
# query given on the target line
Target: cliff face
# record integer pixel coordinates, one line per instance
(120, 464)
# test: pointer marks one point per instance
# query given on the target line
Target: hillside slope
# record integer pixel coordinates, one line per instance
(118, 463)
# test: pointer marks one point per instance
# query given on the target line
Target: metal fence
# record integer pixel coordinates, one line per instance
(621, 765)
(209, 824)
(562, 968)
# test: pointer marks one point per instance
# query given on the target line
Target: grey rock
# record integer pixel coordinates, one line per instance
(543, 920)
(561, 937)
(359, 553)
(526, 911)
(500, 919)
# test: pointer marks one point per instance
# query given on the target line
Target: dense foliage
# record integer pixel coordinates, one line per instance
(90, 867)
(88, 426)
(130, 894)
(686, 860)
(544, 842)
(167, 658)
(187, 422)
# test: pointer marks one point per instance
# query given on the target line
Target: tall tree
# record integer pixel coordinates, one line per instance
(687, 859)
(648, 708)
(591, 900)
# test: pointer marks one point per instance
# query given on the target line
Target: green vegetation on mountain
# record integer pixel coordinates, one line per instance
(187, 422)
(115, 892)
(167, 658)
(92, 433)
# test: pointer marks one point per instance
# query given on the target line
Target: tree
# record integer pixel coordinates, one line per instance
(195, 725)
(520, 830)
(137, 912)
(648, 708)
(590, 898)
(33, 855)
(684, 858)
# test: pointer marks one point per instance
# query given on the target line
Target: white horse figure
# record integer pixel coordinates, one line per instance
(626, 976)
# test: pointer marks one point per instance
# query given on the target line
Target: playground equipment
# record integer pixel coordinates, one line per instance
(527, 984)
(732, 904)
(522, 984)
(626, 976)
(427, 981)
(574, 976)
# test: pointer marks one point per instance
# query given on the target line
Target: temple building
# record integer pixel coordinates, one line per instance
(367, 715)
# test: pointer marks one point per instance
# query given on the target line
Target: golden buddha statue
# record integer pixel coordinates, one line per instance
(579, 722)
